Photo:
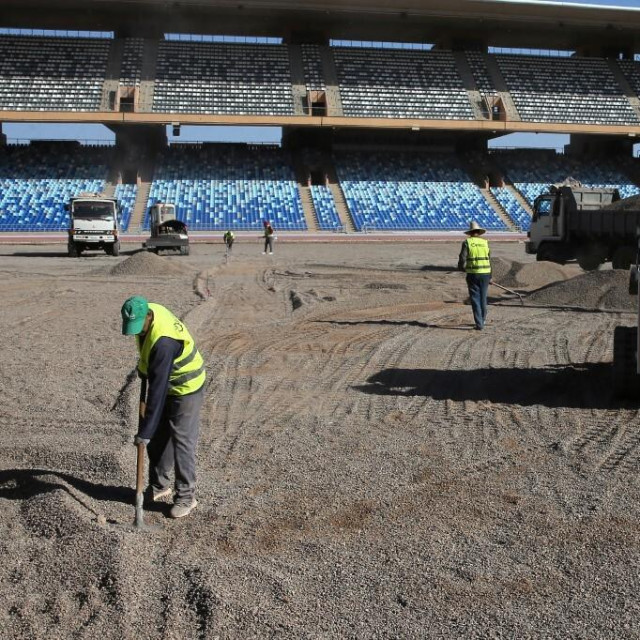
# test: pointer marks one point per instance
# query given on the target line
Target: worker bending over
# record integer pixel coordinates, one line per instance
(475, 260)
(174, 372)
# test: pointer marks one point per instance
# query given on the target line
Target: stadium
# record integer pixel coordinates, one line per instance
(389, 135)
(368, 464)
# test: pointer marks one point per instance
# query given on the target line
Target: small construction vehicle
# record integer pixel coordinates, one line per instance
(626, 347)
(167, 232)
(591, 226)
(94, 223)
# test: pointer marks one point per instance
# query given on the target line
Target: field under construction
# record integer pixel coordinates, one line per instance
(369, 465)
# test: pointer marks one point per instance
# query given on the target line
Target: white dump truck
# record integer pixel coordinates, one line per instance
(592, 226)
(167, 232)
(93, 224)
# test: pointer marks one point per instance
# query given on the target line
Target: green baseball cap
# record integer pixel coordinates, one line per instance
(134, 311)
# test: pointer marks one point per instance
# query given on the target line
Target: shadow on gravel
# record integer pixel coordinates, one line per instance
(23, 484)
(436, 267)
(579, 386)
(400, 323)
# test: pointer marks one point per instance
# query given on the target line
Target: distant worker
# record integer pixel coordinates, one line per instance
(475, 260)
(228, 238)
(172, 368)
(268, 238)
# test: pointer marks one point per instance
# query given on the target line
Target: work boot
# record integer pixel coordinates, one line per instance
(182, 509)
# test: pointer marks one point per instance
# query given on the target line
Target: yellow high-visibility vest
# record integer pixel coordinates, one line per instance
(478, 256)
(188, 373)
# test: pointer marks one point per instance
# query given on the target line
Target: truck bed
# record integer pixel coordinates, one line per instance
(605, 223)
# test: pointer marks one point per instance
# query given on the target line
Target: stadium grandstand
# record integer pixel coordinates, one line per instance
(387, 110)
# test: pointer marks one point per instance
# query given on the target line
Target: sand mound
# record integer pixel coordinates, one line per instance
(593, 290)
(531, 275)
(145, 263)
(626, 204)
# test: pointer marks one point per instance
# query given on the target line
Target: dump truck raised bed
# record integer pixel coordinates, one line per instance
(167, 232)
(93, 224)
(592, 226)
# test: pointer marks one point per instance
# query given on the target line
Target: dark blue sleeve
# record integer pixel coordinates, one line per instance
(161, 358)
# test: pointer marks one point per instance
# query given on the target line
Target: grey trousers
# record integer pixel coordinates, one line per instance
(173, 446)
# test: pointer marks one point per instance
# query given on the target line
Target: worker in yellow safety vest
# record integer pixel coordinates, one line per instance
(475, 260)
(173, 375)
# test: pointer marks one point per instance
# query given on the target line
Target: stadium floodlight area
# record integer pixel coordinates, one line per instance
(380, 83)
(216, 78)
(37, 181)
(218, 187)
(325, 207)
(52, 74)
(532, 172)
(126, 195)
(565, 90)
(411, 191)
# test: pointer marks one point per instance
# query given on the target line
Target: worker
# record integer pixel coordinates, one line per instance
(228, 238)
(173, 370)
(475, 260)
(268, 237)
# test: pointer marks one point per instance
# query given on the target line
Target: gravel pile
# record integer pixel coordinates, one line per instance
(145, 263)
(531, 275)
(593, 290)
(626, 204)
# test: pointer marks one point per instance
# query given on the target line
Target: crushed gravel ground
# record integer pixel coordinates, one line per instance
(369, 465)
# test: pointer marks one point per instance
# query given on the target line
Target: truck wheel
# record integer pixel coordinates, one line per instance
(184, 251)
(546, 254)
(115, 249)
(626, 381)
(591, 256)
(623, 258)
(73, 250)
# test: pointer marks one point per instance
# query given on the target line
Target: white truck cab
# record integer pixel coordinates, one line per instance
(94, 224)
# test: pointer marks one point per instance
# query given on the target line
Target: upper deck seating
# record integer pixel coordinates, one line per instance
(37, 181)
(385, 83)
(52, 74)
(312, 66)
(220, 78)
(403, 190)
(217, 187)
(131, 68)
(567, 90)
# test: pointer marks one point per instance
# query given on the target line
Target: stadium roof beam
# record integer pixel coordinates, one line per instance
(491, 127)
(446, 22)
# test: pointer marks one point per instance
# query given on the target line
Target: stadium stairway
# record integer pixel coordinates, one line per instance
(501, 87)
(308, 207)
(464, 70)
(298, 86)
(625, 86)
(332, 93)
(502, 214)
(140, 207)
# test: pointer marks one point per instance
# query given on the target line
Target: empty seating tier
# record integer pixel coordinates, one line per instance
(325, 206)
(403, 190)
(532, 172)
(381, 83)
(218, 78)
(567, 90)
(217, 187)
(52, 74)
(37, 181)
